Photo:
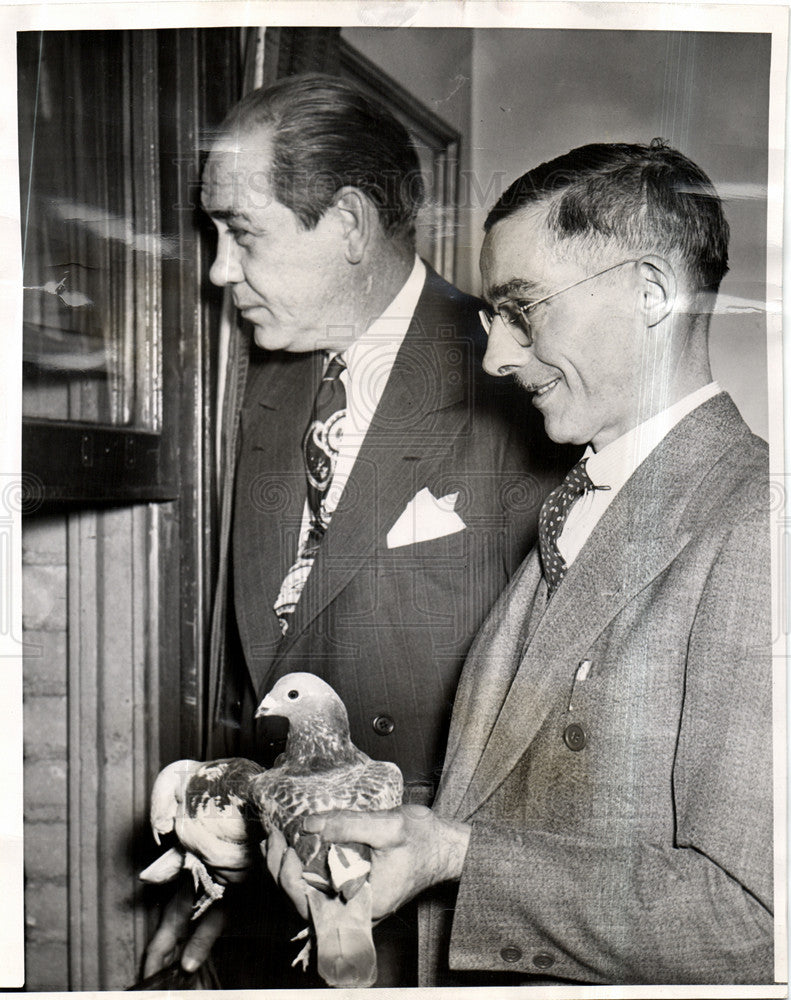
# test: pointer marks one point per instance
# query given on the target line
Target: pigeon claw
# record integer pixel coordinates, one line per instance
(202, 879)
(304, 955)
(201, 906)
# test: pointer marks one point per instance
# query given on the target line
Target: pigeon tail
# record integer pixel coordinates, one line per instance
(345, 953)
(165, 868)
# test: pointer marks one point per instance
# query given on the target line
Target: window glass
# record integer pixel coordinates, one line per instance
(90, 225)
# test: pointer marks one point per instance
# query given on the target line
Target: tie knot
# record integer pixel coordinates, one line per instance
(334, 369)
(578, 479)
(552, 518)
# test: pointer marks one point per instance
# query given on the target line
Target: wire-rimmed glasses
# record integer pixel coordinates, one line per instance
(514, 315)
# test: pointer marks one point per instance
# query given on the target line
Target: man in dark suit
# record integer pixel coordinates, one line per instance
(385, 487)
(605, 811)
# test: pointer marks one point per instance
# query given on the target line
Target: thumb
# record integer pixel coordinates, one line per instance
(293, 883)
(382, 830)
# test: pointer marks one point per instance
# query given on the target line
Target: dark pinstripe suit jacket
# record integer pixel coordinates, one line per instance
(387, 628)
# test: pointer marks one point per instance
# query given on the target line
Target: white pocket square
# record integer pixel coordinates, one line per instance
(425, 517)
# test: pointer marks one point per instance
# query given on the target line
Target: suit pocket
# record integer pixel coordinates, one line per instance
(446, 584)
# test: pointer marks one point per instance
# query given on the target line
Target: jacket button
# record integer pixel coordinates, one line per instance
(383, 725)
(543, 961)
(574, 737)
(510, 954)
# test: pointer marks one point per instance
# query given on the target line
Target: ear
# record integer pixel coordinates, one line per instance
(356, 215)
(658, 288)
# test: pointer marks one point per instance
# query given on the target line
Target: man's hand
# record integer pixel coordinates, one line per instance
(412, 849)
(172, 937)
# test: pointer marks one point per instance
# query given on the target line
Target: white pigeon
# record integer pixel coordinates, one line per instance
(321, 770)
(207, 807)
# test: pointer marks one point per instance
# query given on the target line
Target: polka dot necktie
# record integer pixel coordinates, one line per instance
(320, 445)
(553, 516)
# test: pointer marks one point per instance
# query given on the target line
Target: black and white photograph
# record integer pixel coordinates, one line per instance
(393, 510)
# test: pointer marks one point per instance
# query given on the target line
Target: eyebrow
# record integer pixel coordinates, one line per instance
(227, 214)
(510, 289)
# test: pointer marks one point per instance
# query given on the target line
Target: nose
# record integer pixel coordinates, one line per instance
(504, 354)
(226, 269)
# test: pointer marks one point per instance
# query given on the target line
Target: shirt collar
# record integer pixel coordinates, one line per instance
(370, 358)
(615, 463)
(385, 335)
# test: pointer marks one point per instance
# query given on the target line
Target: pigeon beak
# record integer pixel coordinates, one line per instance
(265, 707)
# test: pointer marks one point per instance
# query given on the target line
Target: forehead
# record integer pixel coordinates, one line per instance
(516, 255)
(236, 176)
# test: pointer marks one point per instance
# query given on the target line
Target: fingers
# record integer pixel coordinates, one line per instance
(163, 947)
(379, 830)
(207, 930)
(230, 876)
(275, 849)
(160, 952)
(292, 882)
(285, 868)
(174, 927)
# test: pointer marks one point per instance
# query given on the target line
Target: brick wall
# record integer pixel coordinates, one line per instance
(44, 579)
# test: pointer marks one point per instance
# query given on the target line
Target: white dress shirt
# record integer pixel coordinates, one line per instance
(369, 361)
(615, 463)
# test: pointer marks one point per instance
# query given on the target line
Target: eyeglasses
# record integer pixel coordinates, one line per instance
(515, 314)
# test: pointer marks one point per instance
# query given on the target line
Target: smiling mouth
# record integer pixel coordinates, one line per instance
(541, 390)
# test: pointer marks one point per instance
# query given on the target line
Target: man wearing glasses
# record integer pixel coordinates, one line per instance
(605, 812)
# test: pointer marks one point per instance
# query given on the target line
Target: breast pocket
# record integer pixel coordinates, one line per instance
(445, 584)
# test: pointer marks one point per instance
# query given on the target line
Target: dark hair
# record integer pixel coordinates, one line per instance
(326, 135)
(647, 198)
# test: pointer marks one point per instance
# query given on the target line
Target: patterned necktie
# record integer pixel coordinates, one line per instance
(322, 438)
(553, 516)
(320, 451)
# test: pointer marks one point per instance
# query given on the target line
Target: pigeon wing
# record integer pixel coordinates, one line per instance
(215, 821)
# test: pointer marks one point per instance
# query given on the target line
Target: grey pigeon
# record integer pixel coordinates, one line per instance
(322, 770)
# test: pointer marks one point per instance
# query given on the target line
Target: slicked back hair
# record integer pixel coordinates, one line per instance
(326, 135)
(644, 199)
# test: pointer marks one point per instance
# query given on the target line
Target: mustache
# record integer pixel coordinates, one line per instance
(531, 385)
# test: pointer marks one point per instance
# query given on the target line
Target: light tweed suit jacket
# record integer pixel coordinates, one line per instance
(645, 855)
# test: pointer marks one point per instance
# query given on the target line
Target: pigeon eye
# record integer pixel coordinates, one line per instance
(293, 694)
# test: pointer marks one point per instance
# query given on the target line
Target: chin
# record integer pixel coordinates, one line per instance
(269, 339)
(275, 338)
(562, 433)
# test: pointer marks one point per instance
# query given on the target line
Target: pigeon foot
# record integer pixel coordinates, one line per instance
(304, 955)
(201, 876)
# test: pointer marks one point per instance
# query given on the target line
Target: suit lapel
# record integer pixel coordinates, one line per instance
(495, 656)
(422, 410)
(639, 535)
(280, 398)
(273, 383)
